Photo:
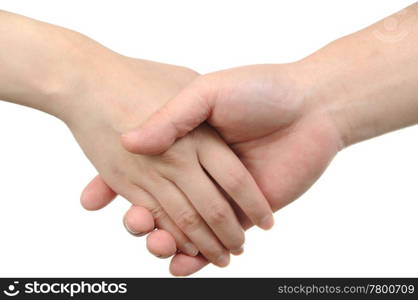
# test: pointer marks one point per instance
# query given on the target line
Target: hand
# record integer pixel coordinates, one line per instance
(165, 184)
(138, 221)
(303, 112)
(100, 94)
(267, 114)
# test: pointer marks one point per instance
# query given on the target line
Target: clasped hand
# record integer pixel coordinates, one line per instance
(210, 158)
(204, 157)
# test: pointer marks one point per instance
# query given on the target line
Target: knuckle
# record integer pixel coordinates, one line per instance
(218, 214)
(236, 180)
(158, 213)
(202, 134)
(188, 220)
(177, 160)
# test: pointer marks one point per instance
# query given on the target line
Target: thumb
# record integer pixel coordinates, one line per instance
(191, 107)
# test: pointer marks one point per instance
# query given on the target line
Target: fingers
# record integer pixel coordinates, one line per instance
(161, 244)
(178, 207)
(213, 207)
(97, 194)
(186, 111)
(183, 265)
(138, 196)
(138, 221)
(229, 172)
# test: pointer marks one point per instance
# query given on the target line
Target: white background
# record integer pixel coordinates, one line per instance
(360, 219)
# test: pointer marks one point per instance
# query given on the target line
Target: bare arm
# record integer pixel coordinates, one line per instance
(368, 81)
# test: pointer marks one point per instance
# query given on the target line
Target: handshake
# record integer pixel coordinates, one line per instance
(204, 157)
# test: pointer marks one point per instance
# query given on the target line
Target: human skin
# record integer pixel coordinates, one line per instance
(297, 116)
(99, 94)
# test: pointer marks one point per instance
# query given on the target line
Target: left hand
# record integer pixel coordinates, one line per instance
(282, 131)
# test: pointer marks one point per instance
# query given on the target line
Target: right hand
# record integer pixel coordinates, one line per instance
(177, 186)
(271, 118)
(287, 122)
(269, 115)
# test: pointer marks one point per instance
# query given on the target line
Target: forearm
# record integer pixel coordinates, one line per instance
(40, 62)
(368, 81)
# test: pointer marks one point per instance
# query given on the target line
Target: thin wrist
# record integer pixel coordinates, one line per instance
(67, 91)
(43, 66)
(68, 79)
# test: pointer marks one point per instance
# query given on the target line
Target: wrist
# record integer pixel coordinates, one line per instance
(44, 66)
(365, 90)
(330, 91)
(64, 85)
(366, 84)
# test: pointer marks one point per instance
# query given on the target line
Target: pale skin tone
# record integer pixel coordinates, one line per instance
(295, 116)
(100, 94)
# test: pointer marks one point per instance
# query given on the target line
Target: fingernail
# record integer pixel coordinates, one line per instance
(238, 251)
(222, 261)
(161, 256)
(190, 249)
(267, 222)
(133, 232)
